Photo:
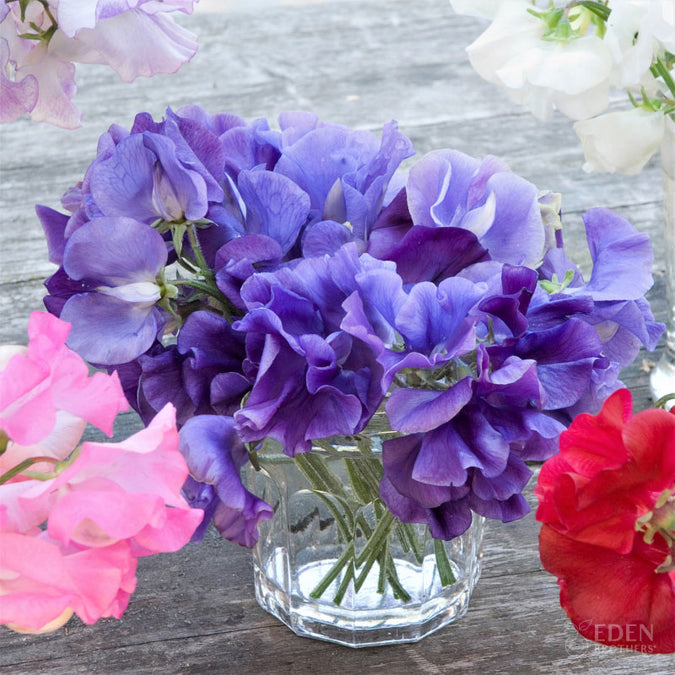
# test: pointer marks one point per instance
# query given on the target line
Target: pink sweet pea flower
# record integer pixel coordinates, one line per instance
(73, 524)
(47, 378)
(143, 477)
(42, 583)
(114, 503)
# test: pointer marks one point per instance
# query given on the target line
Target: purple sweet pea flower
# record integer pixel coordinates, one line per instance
(275, 211)
(349, 176)
(427, 328)
(466, 444)
(449, 189)
(215, 455)
(433, 254)
(613, 299)
(200, 375)
(171, 172)
(109, 283)
(312, 379)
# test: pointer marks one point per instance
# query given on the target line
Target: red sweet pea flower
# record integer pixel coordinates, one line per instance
(607, 504)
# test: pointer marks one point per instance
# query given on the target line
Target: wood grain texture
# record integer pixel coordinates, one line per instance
(360, 63)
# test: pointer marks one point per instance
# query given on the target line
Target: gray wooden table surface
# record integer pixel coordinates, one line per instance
(360, 63)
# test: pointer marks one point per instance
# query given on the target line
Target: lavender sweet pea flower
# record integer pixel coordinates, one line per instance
(449, 189)
(169, 170)
(350, 172)
(109, 277)
(157, 174)
(83, 31)
(427, 328)
(275, 211)
(215, 455)
(613, 296)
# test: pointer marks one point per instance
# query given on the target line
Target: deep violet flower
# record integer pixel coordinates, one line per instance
(200, 375)
(312, 380)
(448, 189)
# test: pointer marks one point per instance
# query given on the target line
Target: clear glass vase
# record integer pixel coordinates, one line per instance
(662, 380)
(334, 564)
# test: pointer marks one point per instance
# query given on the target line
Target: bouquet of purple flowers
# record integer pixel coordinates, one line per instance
(283, 285)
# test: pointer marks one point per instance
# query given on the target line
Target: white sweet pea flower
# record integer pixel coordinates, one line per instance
(661, 23)
(572, 75)
(633, 56)
(637, 32)
(622, 141)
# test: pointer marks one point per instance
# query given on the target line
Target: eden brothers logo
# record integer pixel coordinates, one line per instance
(608, 637)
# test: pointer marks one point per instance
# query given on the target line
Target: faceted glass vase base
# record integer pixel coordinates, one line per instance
(367, 618)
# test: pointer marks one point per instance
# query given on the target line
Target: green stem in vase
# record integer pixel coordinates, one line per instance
(345, 501)
(347, 555)
(344, 585)
(383, 560)
(445, 572)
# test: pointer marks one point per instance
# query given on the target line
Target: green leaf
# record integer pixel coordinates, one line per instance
(598, 8)
(177, 236)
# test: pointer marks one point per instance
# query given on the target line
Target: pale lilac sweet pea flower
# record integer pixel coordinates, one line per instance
(134, 37)
(19, 96)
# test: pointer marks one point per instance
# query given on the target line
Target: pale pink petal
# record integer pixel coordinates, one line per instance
(22, 506)
(35, 586)
(88, 517)
(147, 462)
(39, 581)
(105, 579)
(175, 531)
(142, 476)
(60, 442)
